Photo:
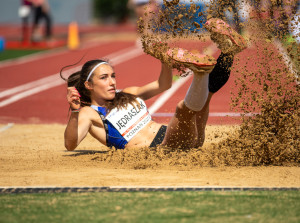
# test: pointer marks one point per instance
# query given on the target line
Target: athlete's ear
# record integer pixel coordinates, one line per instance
(88, 85)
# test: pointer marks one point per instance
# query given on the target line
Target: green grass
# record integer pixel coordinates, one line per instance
(12, 54)
(256, 206)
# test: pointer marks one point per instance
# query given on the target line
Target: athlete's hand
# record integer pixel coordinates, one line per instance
(73, 98)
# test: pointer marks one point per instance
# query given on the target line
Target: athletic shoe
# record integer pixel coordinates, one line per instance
(195, 61)
(228, 40)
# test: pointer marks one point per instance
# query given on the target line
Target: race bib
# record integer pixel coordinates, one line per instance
(131, 120)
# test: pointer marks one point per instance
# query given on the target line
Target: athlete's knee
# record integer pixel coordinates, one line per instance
(182, 111)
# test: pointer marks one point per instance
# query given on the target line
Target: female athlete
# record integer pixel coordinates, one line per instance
(120, 119)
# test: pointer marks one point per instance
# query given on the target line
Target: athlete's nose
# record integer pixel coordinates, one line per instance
(112, 81)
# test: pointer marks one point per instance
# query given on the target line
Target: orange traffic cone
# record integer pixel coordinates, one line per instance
(73, 36)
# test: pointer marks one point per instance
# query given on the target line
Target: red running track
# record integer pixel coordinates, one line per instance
(50, 106)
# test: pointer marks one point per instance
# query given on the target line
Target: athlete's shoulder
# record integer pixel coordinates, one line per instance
(88, 112)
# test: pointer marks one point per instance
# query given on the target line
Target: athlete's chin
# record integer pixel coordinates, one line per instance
(111, 96)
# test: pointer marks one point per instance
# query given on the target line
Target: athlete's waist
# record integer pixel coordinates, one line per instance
(145, 136)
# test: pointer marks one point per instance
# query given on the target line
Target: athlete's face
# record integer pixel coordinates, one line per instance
(103, 85)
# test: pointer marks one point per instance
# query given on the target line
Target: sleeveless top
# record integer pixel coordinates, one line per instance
(121, 125)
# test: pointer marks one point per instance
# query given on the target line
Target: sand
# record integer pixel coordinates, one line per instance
(34, 155)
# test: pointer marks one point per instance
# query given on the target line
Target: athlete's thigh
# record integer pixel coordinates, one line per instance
(181, 136)
(182, 129)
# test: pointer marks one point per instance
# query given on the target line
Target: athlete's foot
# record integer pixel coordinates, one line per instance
(228, 40)
(198, 63)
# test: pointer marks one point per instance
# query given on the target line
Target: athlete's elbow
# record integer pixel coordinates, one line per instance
(167, 86)
(70, 146)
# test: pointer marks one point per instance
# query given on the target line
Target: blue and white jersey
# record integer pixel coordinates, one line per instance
(123, 124)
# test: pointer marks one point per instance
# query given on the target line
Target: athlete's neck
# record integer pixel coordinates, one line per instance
(98, 103)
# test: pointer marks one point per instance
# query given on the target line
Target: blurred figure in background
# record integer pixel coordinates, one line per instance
(24, 14)
(141, 9)
(41, 10)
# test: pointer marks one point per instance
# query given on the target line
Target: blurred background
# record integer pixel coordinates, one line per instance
(29, 23)
(82, 11)
(39, 34)
(44, 24)
(64, 11)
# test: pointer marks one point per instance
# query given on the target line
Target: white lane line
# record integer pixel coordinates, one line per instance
(167, 94)
(32, 91)
(212, 114)
(27, 86)
(54, 80)
(4, 128)
(117, 58)
(125, 55)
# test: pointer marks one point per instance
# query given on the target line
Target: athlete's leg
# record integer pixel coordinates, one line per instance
(221, 72)
(217, 79)
(201, 121)
(181, 130)
(186, 128)
(231, 43)
(48, 20)
(36, 21)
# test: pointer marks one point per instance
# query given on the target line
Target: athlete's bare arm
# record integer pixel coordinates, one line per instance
(79, 123)
(154, 88)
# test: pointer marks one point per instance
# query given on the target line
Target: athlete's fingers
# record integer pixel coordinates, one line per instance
(75, 92)
(74, 103)
(72, 89)
(72, 98)
(72, 93)
(75, 97)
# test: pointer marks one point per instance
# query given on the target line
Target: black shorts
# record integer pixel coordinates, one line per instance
(158, 139)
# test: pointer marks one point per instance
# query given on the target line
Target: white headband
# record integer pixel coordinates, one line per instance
(95, 67)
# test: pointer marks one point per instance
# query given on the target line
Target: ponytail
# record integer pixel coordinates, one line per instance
(75, 80)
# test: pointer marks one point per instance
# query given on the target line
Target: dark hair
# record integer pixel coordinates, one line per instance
(78, 79)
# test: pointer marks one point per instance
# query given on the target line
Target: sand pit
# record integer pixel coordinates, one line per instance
(34, 155)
